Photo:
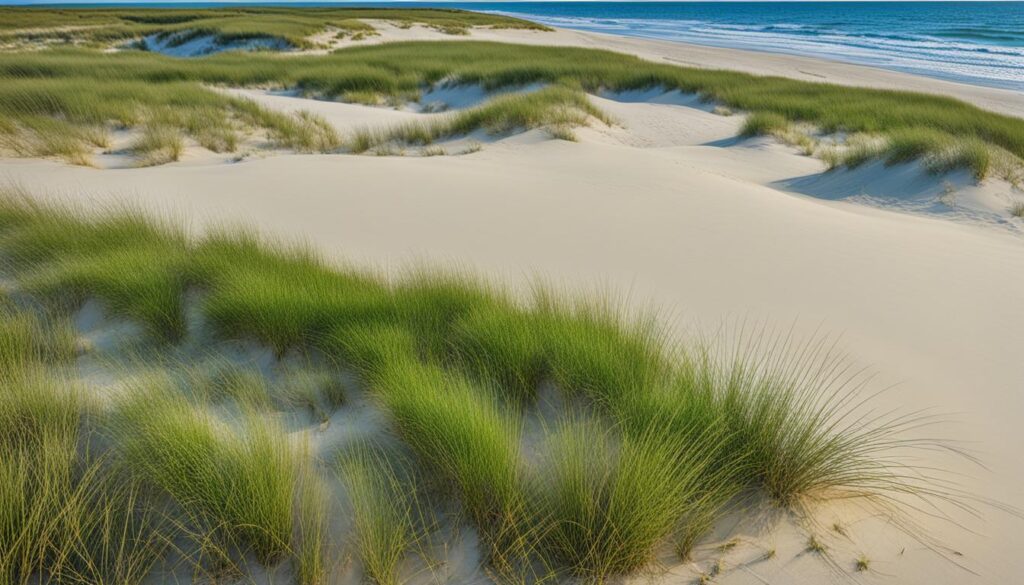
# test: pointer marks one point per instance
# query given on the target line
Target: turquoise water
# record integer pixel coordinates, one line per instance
(972, 42)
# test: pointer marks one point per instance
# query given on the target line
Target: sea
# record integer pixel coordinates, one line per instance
(971, 42)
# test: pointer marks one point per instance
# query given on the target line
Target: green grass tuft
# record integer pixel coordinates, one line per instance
(237, 487)
(386, 509)
(764, 124)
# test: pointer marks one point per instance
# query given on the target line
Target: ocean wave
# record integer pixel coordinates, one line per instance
(986, 55)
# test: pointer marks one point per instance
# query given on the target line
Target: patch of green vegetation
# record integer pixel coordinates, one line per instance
(64, 510)
(658, 441)
(355, 30)
(863, 563)
(73, 89)
(762, 123)
(553, 107)
(388, 513)
(236, 486)
(71, 117)
(462, 434)
(607, 502)
(294, 26)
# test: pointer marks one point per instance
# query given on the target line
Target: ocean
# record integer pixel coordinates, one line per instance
(972, 42)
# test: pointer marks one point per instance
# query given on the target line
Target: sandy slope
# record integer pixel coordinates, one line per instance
(806, 68)
(671, 210)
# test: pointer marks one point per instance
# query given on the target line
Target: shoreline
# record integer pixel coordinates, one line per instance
(1012, 86)
(805, 68)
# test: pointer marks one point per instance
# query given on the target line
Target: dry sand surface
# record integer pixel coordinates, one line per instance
(669, 209)
(688, 55)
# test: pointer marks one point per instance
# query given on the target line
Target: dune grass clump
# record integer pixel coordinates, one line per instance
(27, 339)
(387, 512)
(969, 153)
(658, 440)
(285, 298)
(158, 145)
(795, 413)
(128, 262)
(553, 108)
(236, 487)
(245, 386)
(764, 123)
(462, 434)
(312, 553)
(593, 350)
(505, 346)
(607, 501)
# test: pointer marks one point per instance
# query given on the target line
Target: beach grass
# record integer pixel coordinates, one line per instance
(462, 434)
(554, 108)
(607, 501)
(75, 90)
(656, 442)
(64, 510)
(294, 27)
(236, 486)
(389, 515)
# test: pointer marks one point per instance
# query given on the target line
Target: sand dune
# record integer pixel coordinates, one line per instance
(805, 68)
(669, 208)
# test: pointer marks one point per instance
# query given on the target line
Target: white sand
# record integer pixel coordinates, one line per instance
(687, 55)
(671, 210)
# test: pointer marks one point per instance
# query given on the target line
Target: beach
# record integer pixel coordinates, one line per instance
(668, 209)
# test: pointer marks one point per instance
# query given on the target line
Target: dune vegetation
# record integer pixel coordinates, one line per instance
(66, 102)
(577, 441)
(102, 26)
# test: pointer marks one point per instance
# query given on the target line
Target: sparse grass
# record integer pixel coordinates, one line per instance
(311, 548)
(562, 132)
(1017, 209)
(861, 148)
(356, 30)
(246, 387)
(317, 391)
(69, 117)
(472, 147)
(433, 151)
(158, 145)
(386, 510)
(814, 545)
(658, 442)
(863, 563)
(555, 108)
(948, 195)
